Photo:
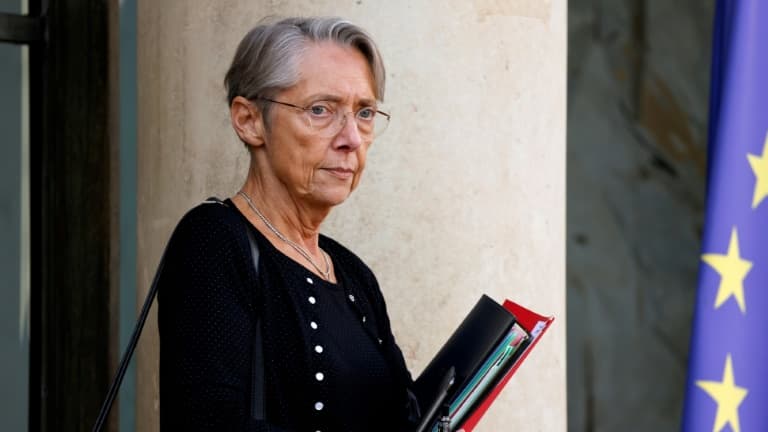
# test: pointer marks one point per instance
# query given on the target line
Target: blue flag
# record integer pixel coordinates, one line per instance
(727, 385)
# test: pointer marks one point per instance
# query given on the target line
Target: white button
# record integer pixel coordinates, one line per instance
(318, 349)
(380, 341)
(363, 318)
(319, 406)
(351, 298)
(319, 376)
(311, 299)
(310, 281)
(313, 325)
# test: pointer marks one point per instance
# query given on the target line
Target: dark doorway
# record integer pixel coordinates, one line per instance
(71, 214)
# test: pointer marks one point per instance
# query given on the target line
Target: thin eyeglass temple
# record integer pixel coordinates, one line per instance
(284, 103)
(306, 108)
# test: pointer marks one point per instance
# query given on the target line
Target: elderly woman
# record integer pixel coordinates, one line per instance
(292, 334)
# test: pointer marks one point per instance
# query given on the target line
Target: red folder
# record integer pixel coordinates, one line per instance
(536, 325)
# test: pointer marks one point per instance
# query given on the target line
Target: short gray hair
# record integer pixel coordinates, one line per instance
(266, 60)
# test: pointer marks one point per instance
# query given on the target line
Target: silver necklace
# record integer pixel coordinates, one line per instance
(326, 274)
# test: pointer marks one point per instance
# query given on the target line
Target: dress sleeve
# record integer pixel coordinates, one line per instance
(206, 326)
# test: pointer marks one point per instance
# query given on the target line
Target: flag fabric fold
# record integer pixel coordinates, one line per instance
(727, 383)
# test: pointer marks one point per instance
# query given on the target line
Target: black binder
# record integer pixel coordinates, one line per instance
(478, 335)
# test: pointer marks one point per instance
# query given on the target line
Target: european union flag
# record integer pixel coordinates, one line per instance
(727, 386)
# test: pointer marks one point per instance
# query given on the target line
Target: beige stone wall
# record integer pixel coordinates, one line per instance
(463, 195)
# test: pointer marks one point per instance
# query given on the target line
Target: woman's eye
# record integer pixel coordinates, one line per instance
(319, 110)
(366, 113)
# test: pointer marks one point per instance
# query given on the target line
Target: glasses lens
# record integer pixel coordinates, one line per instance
(325, 126)
(329, 127)
(380, 124)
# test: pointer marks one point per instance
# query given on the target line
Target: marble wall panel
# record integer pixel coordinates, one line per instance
(638, 80)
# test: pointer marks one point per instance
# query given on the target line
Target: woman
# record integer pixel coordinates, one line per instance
(303, 99)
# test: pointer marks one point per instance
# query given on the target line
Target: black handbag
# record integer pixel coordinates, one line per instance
(257, 382)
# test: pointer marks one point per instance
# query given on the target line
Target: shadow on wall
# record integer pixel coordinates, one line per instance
(638, 85)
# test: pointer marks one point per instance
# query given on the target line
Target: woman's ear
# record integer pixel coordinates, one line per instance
(247, 121)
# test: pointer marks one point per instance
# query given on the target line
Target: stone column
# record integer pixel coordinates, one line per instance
(463, 195)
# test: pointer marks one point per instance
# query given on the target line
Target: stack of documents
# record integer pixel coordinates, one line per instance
(469, 371)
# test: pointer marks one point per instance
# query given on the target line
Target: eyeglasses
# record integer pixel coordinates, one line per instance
(327, 120)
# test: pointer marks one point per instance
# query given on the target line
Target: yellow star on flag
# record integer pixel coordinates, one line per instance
(759, 166)
(733, 269)
(728, 397)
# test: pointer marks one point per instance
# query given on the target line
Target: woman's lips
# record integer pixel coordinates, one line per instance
(342, 173)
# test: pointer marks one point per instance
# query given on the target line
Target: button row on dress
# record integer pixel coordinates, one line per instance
(318, 348)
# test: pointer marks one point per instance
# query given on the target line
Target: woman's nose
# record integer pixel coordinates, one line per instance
(349, 137)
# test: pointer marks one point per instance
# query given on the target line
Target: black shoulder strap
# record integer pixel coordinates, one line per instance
(257, 377)
(257, 392)
(120, 374)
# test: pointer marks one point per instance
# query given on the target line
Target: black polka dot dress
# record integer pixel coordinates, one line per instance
(330, 361)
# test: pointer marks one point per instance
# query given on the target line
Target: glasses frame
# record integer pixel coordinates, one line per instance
(344, 121)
